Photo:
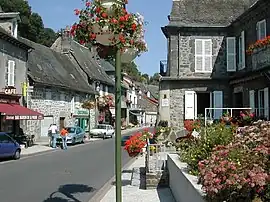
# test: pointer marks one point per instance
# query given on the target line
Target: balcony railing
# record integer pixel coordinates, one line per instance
(261, 58)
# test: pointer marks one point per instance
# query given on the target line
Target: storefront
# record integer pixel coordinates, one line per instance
(82, 118)
(11, 112)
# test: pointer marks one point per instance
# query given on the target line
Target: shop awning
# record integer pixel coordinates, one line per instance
(18, 112)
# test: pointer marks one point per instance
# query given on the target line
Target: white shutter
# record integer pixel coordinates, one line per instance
(72, 105)
(231, 54)
(207, 55)
(243, 65)
(218, 103)
(252, 100)
(11, 73)
(198, 55)
(189, 104)
(106, 90)
(211, 105)
(261, 29)
(101, 90)
(266, 103)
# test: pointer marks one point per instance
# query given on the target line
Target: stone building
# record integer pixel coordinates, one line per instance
(13, 68)
(57, 89)
(207, 64)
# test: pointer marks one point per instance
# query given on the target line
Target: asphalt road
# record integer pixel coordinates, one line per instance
(60, 176)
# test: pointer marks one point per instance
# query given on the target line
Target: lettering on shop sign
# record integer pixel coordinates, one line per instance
(8, 101)
(8, 117)
(10, 91)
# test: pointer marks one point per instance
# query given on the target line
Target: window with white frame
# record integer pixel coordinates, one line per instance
(203, 55)
(241, 51)
(10, 73)
(261, 29)
(231, 54)
(261, 102)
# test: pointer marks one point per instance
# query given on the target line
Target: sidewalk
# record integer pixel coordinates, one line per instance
(131, 193)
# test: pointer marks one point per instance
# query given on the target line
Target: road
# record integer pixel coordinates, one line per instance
(60, 176)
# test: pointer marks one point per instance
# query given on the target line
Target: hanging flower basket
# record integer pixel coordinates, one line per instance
(103, 35)
(104, 24)
(129, 54)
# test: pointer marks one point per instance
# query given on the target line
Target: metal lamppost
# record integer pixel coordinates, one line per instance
(101, 25)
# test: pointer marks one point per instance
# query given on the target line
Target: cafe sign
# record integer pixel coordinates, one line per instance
(10, 91)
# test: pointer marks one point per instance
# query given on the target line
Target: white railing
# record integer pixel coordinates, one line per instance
(218, 112)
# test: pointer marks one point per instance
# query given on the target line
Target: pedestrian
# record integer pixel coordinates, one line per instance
(63, 134)
(53, 130)
(50, 135)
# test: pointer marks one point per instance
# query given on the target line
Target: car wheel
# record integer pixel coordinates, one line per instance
(17, 154)
(73, 141)
(82, 140)
(104, 136)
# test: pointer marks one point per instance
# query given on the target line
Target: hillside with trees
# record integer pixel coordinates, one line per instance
(31, 25)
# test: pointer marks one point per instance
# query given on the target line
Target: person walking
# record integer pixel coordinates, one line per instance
(53, 130)
(63, 134)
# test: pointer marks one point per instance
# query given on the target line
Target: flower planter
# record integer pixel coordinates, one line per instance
(128, 55)
(184, 186)
(134, 154)
(103, 35)
(108, 4)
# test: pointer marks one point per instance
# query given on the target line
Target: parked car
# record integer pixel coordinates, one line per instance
(102, 130)
(9, 147)
(124, 139)
(75, 135)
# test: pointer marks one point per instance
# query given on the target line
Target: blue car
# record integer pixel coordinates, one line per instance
(9, 147)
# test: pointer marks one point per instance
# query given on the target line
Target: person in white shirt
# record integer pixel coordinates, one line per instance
(53, 129)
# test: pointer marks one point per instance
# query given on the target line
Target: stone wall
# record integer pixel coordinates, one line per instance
(175, 91)
(55, 103)
(182, 55)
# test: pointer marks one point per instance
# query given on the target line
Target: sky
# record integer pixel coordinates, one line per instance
(57, 14)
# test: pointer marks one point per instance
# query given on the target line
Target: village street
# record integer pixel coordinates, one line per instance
(72, 175)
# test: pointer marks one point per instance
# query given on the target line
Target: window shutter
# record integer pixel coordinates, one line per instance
(266, 103)
(243, 65)
(189, 104)
(7, 73)
(11, 73)
(231, 60)
(218, 103)
(252, 100)
(207, 55)
(198, 55)
(261, 29)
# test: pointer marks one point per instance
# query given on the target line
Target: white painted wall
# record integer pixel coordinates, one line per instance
(184, 186)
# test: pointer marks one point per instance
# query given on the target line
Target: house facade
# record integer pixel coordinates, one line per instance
(57, 89)
(207, 64)
(13, 67)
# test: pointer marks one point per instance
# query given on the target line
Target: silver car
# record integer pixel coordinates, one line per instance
(102, 130)
(75, 135)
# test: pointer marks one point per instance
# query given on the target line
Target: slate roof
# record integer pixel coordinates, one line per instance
(7, 37)
(108, 67)
(207, 13)
(153, 89)
(145, 104)
(51, 68)
(87, 61)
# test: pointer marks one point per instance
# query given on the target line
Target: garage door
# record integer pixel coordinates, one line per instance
(45, 124)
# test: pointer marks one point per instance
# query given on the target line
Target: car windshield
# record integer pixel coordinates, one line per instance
(101, 127)
(71, 130)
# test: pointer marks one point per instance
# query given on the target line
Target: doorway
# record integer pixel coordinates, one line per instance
(238, 103)
(62, 122)
(203, 101)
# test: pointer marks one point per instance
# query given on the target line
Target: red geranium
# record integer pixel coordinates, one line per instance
(135, 144)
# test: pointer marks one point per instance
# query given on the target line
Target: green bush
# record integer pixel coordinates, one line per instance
(193, 150)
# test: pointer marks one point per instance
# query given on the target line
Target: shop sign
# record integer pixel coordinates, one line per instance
(10, 91)
(9, 117)
(82, 112)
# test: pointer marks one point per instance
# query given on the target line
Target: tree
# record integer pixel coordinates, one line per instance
(154, 80)
(145, 78)
(31, 25)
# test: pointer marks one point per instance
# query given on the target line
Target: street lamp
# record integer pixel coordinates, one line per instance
(118, 35)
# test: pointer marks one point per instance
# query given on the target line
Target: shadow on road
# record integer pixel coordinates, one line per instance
(68, 191)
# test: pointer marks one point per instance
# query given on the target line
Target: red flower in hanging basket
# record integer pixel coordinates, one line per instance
(114, 26)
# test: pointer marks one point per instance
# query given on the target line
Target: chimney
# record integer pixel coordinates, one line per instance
(66, 39)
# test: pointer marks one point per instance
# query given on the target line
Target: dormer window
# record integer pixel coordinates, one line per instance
(148, 94)
(14, 29)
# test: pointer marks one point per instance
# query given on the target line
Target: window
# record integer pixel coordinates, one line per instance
(261, 29)
(241, 51)
(10, 73)
(48, 94)
(5, 139)
(203, 55)
(261, 103)
(106, 90)
(231, 54)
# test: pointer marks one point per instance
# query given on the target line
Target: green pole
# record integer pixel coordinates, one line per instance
(118, 152)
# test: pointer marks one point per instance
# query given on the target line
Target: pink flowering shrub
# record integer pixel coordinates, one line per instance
(239, 171)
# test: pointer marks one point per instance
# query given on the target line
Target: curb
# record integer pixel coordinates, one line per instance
(108, 185)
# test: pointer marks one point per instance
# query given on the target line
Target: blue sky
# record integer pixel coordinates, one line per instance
(56, 14)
